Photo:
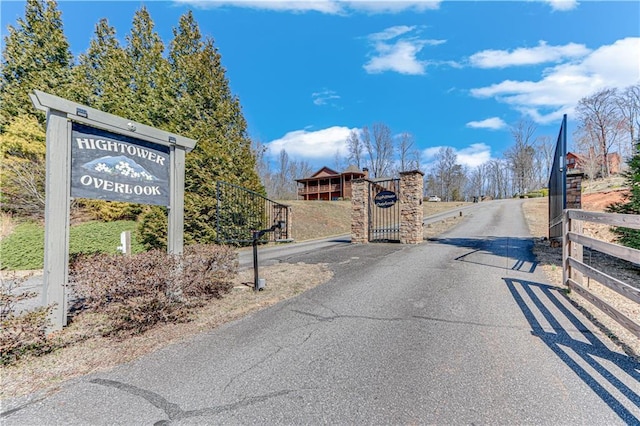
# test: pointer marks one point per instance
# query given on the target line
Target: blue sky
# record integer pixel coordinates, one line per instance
(452, 73)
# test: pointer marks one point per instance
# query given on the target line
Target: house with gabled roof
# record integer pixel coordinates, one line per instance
(328, 184)
(582, 161)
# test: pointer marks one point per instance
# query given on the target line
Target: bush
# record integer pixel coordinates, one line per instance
(118, 296)
(534, 194)
(108, 211)
(23, 333)
(137, 292)
(152, 228)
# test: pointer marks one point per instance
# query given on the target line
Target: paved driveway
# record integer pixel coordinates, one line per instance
(460, 330)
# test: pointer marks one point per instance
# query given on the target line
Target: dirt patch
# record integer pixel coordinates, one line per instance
(598, 202)
(550, 258)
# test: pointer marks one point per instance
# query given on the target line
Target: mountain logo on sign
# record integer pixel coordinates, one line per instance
(119, 166)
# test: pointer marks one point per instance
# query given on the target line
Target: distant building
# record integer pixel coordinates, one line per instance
(327, 184)
(586, 162)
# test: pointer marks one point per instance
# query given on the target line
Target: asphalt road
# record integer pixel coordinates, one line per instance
(460, 330)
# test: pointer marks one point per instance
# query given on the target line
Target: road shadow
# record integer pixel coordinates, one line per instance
(498, 252)
(613, 376)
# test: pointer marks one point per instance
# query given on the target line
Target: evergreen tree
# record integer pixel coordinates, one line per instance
(147, 73)
(36, 56)
(23, 170)
(204, 109)
(630, 204)
(101, 78)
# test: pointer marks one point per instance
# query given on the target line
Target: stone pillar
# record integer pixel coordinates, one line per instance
(359, 211)
(411, 211)
(574, 190)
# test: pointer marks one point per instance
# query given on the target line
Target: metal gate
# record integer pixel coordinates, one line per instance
(240, 212)
(384, 210)
(558, 184)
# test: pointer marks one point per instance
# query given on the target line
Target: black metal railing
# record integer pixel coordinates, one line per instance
(240, 212)
(558, 184)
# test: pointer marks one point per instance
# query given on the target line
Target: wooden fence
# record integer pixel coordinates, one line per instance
(574, 269)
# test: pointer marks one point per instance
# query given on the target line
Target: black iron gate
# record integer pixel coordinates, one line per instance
(240, 212)
(384, 210)
(558, 184)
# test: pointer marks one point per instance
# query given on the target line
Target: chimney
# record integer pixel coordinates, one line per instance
(366, 173)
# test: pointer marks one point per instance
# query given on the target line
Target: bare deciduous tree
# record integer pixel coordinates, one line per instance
(355, 149)
(498, 179)
(478, 180)
(545, 149)
(628, 102)
(601, 122)
(379, 148)
(409, 159)
(521, 155)
(447, 178)
(280, 183)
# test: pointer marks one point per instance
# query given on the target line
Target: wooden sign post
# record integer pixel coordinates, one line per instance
(94, 154)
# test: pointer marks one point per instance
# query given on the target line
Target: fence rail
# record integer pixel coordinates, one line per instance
(321, 188)
(574, 269)
(240, 211)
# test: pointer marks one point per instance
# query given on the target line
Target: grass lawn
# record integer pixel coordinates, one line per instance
(24, 248)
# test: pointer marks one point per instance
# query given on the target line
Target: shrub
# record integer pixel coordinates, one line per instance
(137, 292)
(108, 211)
(25, 334)
(208, 270)
(630, 204)
(21, 333)
(152, 228)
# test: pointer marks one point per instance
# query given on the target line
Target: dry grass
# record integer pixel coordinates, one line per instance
(7, 225)
(320, 219)
(550, 258)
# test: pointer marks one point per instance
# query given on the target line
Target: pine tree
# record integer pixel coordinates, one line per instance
(630, 204)
(147, 73)
(204, 109)
(101, 79)
(36, 56)
(23, 170)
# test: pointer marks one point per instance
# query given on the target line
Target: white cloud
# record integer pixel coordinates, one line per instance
(474, 155)
(540, 54)
(325, 97)
(471, 156)
(562, 5)
(391, 32)
(391, 52)
(562, 86)
(333, 7)
(323, 6)
(309, 145)
(493, 123)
